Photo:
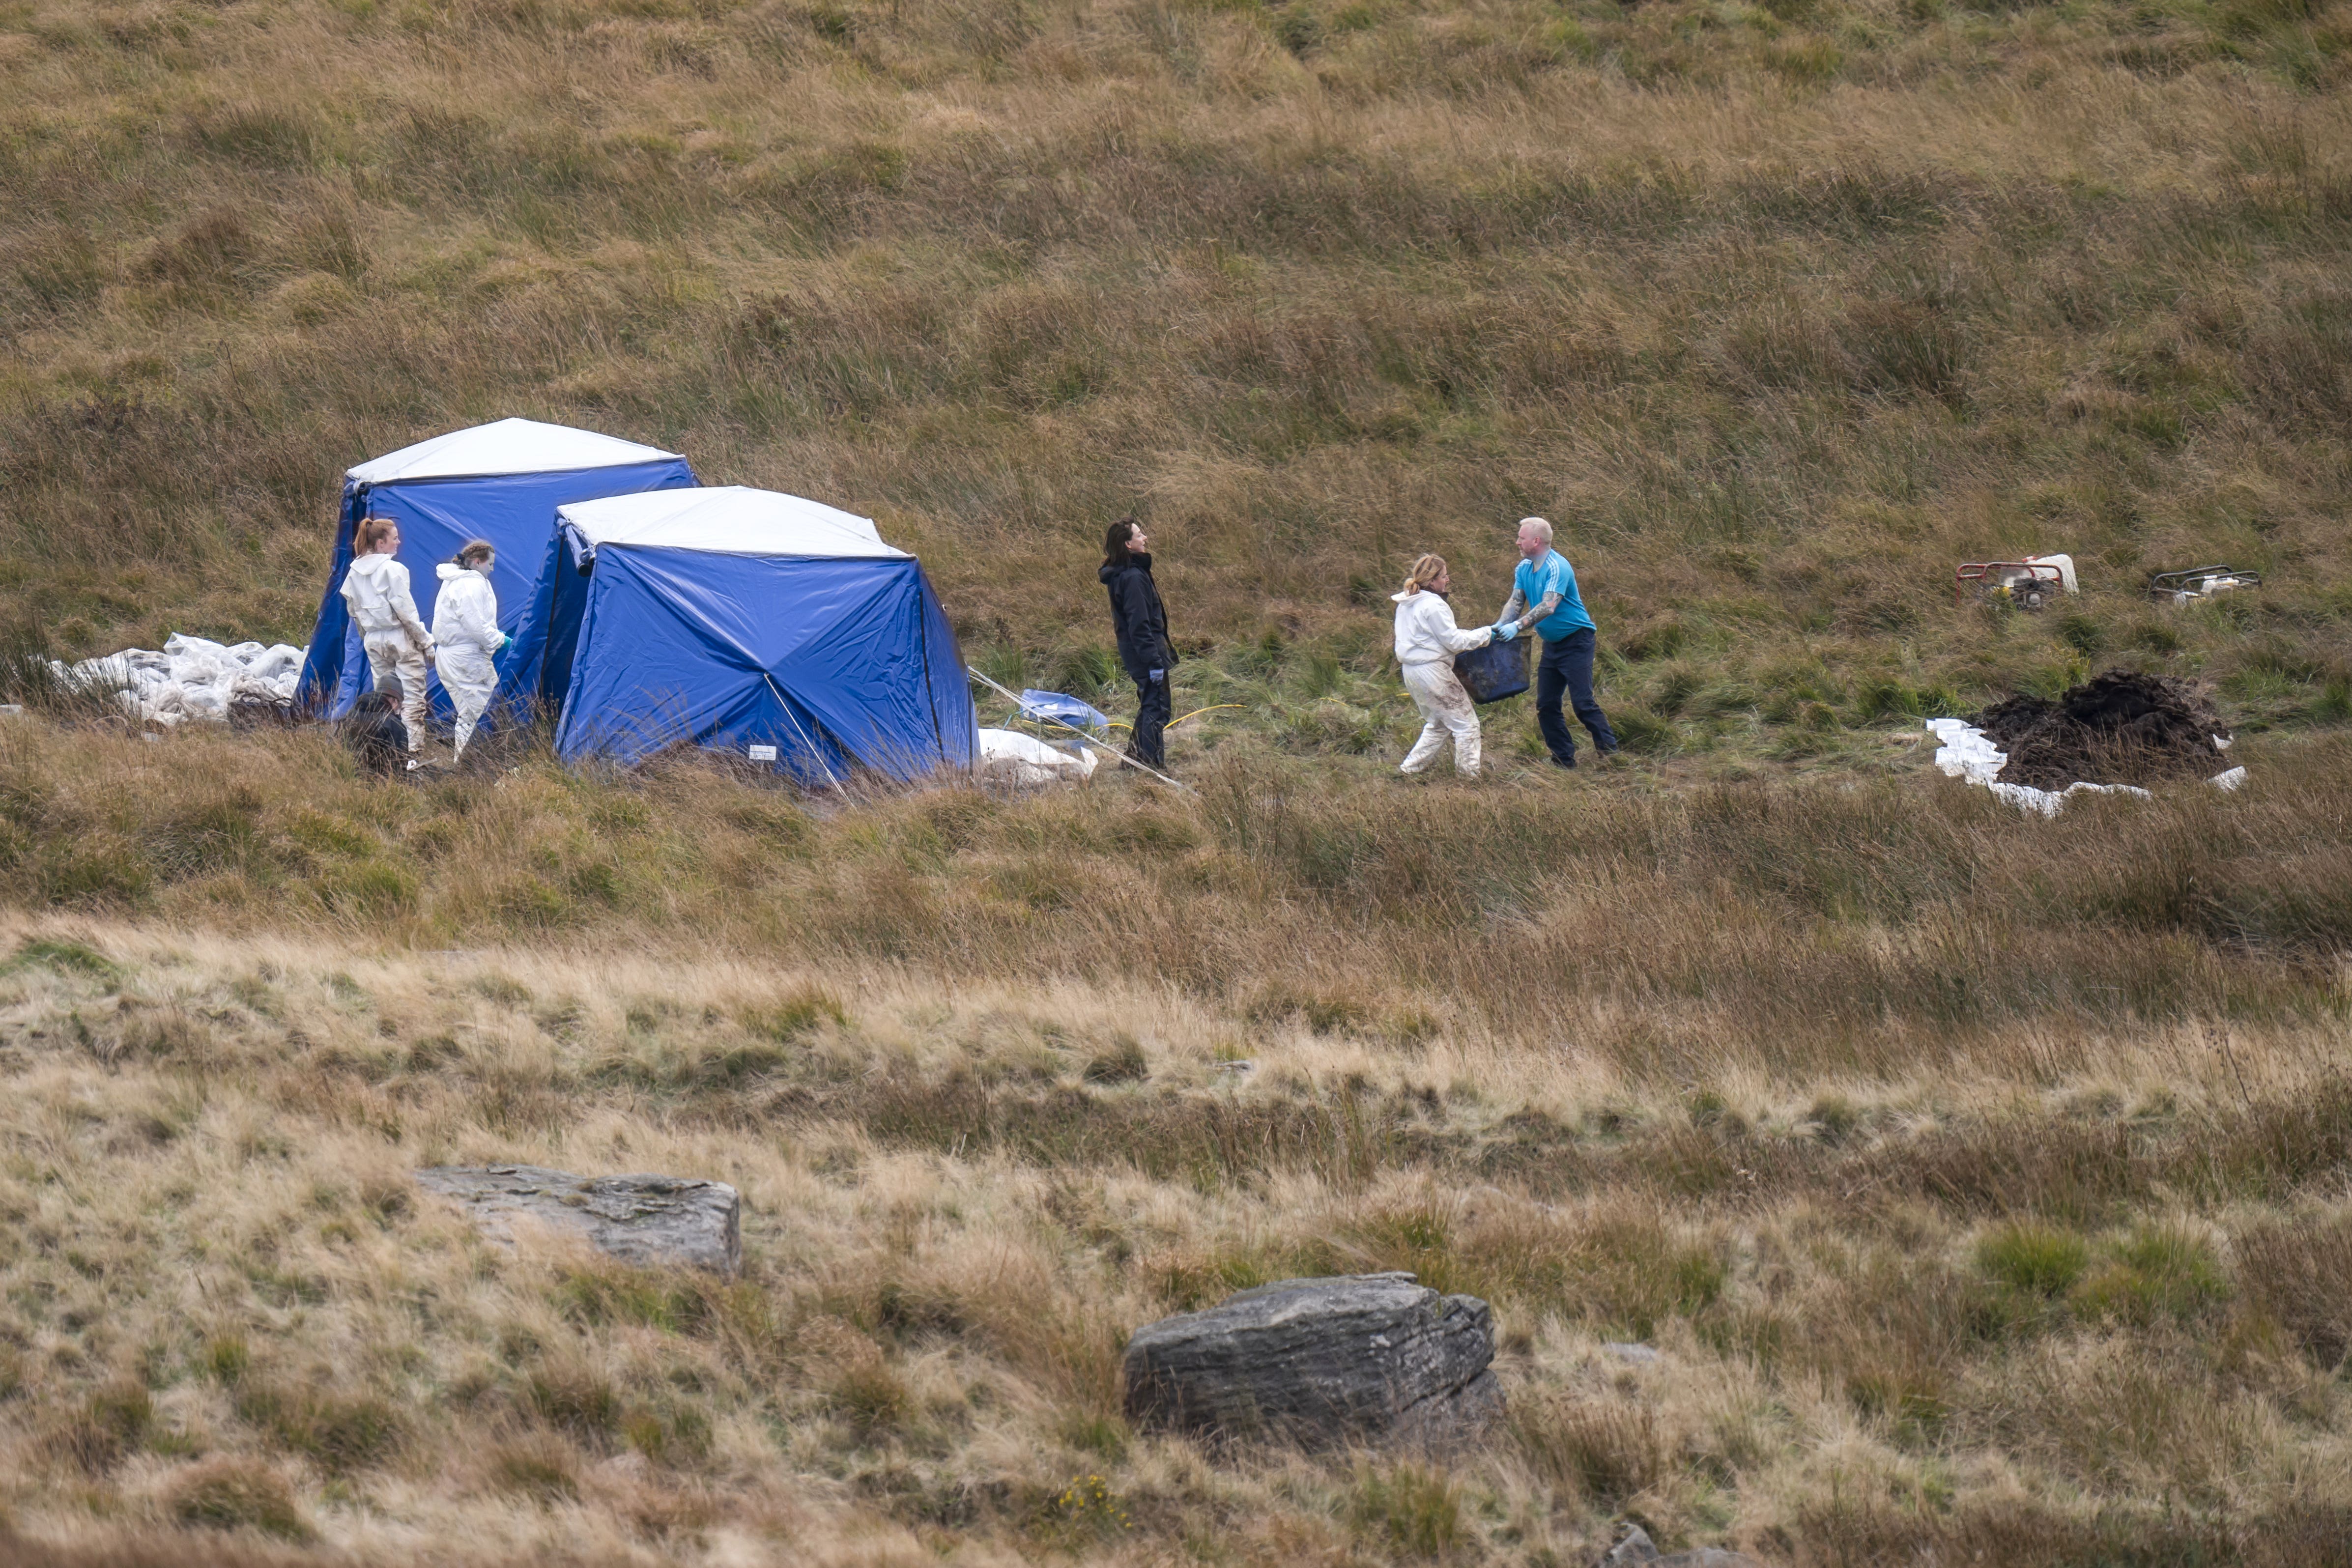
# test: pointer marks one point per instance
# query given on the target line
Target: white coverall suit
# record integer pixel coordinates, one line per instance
(1426, 642)
(376, 589)
(465, 635)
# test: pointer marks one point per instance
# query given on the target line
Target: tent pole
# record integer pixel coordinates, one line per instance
(1082, 735)
(804, 735)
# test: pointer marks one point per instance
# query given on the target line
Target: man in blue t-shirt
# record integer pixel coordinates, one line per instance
(1544, 596)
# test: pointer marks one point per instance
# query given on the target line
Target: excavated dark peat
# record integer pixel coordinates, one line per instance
(2116, 729)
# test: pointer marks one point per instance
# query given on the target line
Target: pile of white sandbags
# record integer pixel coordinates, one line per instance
(1964, 751)
(192, 678)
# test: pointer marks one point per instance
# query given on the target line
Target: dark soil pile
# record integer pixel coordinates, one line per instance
(2116, 729)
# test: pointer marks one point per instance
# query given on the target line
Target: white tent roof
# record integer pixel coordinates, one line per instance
(506, 446)
(728, 519)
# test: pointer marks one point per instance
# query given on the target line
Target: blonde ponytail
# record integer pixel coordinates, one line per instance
(1426, 570)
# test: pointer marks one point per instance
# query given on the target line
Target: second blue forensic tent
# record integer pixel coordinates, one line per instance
(747, 620)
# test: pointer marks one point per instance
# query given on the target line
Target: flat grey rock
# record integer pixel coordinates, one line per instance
(1638, 1354)
(1371, 1358)
(650, 1221)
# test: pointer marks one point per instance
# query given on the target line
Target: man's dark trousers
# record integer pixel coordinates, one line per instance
(1566, 667)
(1151, 716)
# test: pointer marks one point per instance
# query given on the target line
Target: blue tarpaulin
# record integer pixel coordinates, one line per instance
(501, 482)
(832, 661)
(1035, 704)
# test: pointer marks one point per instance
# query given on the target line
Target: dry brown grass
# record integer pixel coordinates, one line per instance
(226, 1304)
(1879, 925)
(1981, 1178)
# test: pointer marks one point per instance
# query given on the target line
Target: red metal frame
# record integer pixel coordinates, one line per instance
(1980, 571)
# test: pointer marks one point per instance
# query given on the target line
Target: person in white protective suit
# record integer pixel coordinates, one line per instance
(465, 635)
(1426, 640)
(376, 589)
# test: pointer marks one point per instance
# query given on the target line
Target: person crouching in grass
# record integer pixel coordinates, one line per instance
(1426, 640)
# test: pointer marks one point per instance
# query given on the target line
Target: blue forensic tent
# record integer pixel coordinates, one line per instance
(536, 669)
(501, 482)
(755, 622)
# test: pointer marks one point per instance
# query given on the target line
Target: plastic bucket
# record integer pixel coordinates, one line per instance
(1496, 671)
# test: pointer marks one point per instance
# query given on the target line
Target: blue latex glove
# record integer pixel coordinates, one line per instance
(1158, 675)
(1506, 630)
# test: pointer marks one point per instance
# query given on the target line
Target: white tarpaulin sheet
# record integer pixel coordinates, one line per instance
(1008, 756)
(1964, 751)
(191, 678)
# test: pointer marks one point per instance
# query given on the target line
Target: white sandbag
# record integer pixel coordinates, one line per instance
(2026, 798)
(1964, 751)
(277, 689)
(1009, 757)
(110, 673)
(205, 702)
(271, 663)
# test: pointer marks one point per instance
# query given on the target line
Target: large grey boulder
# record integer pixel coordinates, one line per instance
(1371, 1358)
(643, 1219)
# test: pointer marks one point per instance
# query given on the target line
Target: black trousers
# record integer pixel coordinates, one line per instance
(1147, 745)
(1566, 667)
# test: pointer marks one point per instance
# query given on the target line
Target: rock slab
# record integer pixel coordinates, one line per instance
(1321, 1362)
(649, 1220)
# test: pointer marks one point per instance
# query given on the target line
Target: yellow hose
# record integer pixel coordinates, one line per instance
(1194, 713)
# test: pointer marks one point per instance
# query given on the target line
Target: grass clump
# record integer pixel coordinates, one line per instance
(112, 1424)
(1124, 1062)
(1409, 1510)
(342, 1433)
(2160, 1273)
(235, 1494)
(795, 1016)
(870, 1398)
(1603, 1451)
(2032, 1259)
(540, 1470)
(71, 959)
(572, 1397)
(2298, 1271)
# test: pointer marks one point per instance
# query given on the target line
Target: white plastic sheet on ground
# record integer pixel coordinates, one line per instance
(1009, 757)
(191, 678)
(1964, 751)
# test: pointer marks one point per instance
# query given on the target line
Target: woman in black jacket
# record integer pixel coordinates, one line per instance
(1142, 627)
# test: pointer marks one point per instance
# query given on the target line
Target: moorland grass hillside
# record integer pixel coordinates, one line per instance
(1984, 1182)
(1981, 1180)
(1780, 312)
